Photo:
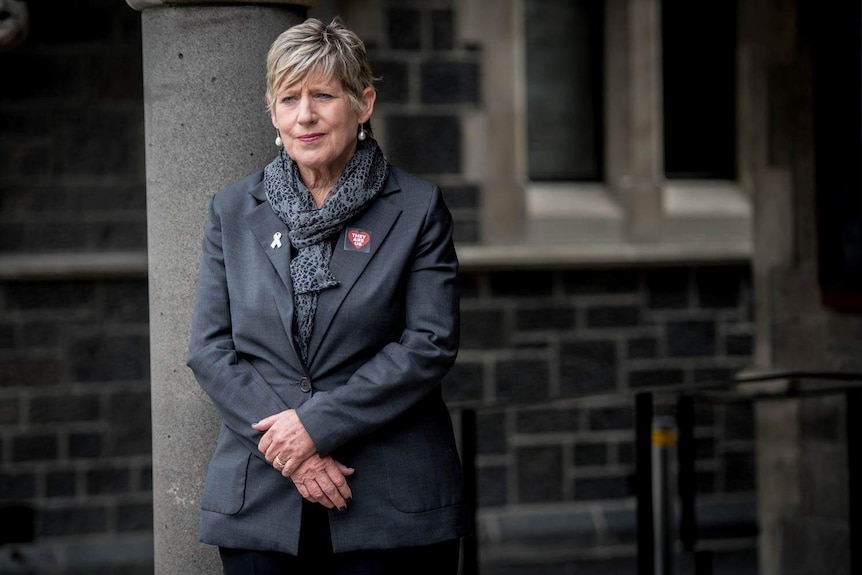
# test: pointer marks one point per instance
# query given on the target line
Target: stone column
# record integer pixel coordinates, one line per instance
(491, 155)
(802, 451)
(206, 126)
(634, 157)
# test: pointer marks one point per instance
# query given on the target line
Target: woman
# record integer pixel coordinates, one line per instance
(327, 313)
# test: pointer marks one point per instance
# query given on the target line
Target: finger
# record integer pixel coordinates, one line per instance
(334, 495)
(318, 494)
(272, 452)
(292, 465)
(260, 445)
(341, 492)
(266, 445)
(276, 448)
(303, 491)
(330, 497)
(269, 452)
(264, 423)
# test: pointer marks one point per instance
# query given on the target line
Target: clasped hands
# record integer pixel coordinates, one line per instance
(318, 479)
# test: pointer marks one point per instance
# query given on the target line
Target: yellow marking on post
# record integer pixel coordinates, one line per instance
(664, 437)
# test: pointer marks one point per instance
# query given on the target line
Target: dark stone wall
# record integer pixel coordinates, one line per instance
(72, 131)
(551, 360)
(426, 82)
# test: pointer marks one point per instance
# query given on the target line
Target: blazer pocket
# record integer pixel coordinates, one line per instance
(423, 470)
(224, 489)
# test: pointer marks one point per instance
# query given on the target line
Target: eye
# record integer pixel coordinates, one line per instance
(287, 100)
(324, 96)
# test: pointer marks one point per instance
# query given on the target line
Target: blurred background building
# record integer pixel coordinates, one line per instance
(654, 196)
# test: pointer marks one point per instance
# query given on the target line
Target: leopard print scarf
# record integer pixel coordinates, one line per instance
(311, 227)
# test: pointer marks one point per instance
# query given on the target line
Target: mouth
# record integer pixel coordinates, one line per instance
(309, 138)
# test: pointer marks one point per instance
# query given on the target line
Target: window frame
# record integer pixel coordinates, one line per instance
(636, 214)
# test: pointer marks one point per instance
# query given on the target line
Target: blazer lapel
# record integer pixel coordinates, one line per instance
(271, 234)
(347, 264)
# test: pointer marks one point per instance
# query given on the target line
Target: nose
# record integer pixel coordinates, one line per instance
(306, 110)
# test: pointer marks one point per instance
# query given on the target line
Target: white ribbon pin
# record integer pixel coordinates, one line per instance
(276, 240)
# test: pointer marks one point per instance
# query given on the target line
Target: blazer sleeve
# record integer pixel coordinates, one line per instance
(403, 372)
(236, 388)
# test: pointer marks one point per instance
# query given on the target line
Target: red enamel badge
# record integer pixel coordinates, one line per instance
(359, 240)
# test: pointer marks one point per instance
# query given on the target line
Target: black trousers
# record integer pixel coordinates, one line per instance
(316, 556)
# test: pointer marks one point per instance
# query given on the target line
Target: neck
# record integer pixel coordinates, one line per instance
(320, 181)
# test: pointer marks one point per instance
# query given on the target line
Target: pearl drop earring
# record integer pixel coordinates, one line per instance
(361, 136)
(278, 141)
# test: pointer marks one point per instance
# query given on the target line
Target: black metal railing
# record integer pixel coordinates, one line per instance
(797, 384)
(743, 388)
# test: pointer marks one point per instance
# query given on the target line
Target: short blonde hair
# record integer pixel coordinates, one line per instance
(312, 47)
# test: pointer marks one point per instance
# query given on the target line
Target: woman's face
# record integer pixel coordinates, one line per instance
(317, 122)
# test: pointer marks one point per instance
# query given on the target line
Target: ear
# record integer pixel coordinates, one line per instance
(369, 95)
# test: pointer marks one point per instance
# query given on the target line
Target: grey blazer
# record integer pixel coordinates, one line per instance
(370, 395)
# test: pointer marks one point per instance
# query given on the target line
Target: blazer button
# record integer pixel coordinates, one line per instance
(304, 385)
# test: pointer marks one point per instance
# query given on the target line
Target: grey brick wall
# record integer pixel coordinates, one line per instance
(75, 416)
(71, 131)
(426, 82)
(568, 333)
(550, 361)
